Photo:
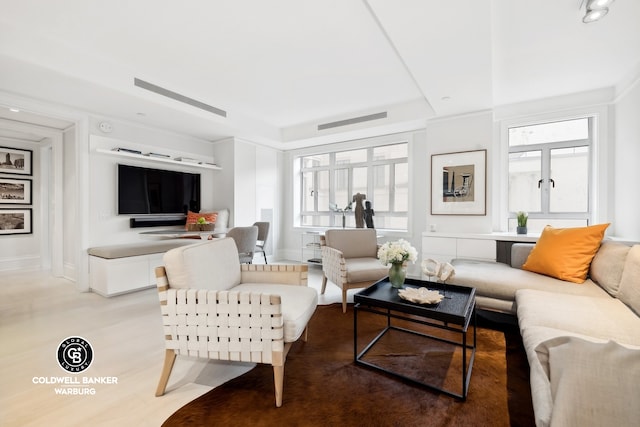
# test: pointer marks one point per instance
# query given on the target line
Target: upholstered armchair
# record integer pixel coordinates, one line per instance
(263, 233)
(245, 239)
(350, 260)
(215, 308)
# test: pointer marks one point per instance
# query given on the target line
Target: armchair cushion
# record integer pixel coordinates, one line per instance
(365, 269)
(298, 304)
(356, 243)
(211, 265)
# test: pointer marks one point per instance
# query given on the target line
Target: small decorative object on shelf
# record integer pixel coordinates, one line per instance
(397, 254)
(159, 155)
(522, 222)
(127, 150)
(334, 207)
(186, 160)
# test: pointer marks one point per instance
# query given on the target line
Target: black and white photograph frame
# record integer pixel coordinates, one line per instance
(16, 221)
(15, 191)
(16, 161)
(459, 183)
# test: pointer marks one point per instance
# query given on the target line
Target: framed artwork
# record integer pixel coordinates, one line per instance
(459, 183)
(16, 161)
(15, 221)
(15, 191)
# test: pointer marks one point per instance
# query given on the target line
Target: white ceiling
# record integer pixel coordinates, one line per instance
(280, 68)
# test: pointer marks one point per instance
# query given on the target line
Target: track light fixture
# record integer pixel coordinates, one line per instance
(596, 10)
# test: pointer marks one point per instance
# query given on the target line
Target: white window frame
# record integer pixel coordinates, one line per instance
(369, 145)
(601, 160)
(545, 149)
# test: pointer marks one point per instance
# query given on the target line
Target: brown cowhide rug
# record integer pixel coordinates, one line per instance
(323, 386)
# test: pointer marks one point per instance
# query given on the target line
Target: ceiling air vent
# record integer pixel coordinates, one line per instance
(353, 120)
(178, 97)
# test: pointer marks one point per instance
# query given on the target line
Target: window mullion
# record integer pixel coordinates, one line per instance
(545, 186)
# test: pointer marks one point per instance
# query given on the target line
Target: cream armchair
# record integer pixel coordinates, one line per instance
(350, 260)
(214, 308)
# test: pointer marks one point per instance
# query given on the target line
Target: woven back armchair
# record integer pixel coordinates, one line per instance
(350, 260)
(215, 308)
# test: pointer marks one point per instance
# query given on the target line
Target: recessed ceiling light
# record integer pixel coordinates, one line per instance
(141, 114)
(597, 4)
(14, 110)
(445, 98)
(594, 15)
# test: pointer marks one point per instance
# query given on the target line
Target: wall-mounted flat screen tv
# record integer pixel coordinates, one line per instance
(155, 191)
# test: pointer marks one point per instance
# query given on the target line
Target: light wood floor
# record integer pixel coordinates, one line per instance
(37, 312)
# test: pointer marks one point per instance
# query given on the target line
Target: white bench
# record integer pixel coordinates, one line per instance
(118, 269)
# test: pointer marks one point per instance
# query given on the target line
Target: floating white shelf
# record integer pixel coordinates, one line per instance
(157, 159)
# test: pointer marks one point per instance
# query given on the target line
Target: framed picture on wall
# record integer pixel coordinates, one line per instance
(458, 183)
(15, 191)
(15, 221)
(16, 161)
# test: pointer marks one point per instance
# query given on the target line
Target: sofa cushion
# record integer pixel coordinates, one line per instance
(213, 265)
(298, 304)
(499, 281)
(365, 269)
(607, 265)
(601, 318)
(354, 243)
(584, 378)
(565, 253)
(629, 291)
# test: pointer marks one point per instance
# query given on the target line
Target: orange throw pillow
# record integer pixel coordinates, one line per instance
(565, 253)
(192, 217)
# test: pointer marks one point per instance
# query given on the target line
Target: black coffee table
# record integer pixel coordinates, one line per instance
(455, 313)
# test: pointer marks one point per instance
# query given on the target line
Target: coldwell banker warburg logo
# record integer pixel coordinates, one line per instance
(74, 355)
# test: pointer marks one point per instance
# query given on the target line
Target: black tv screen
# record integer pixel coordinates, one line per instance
(155, 191)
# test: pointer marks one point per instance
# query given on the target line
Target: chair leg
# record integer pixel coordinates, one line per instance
(169, 359)
(344, 300)
(278, 380)
(324, 284)
(265, 257)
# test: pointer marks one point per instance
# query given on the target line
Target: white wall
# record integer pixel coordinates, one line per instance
(627, 159)
(70, 219)
(464, 133)
(249, 186)
(105, 225)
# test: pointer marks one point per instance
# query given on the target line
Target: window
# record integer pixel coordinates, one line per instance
(381, 173)
(549, 173)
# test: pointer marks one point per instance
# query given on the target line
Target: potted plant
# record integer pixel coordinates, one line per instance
(522, 222)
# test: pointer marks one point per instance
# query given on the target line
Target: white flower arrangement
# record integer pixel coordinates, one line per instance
(397, 252)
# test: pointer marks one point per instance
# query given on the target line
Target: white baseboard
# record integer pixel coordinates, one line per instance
(30, 263)
(70, 272)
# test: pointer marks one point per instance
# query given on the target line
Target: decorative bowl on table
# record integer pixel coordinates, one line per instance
(201, 227)
(420, 295)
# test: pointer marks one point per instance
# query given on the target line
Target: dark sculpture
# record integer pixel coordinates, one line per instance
(368, 214)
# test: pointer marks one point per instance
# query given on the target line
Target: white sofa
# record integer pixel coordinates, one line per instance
(582, 340)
